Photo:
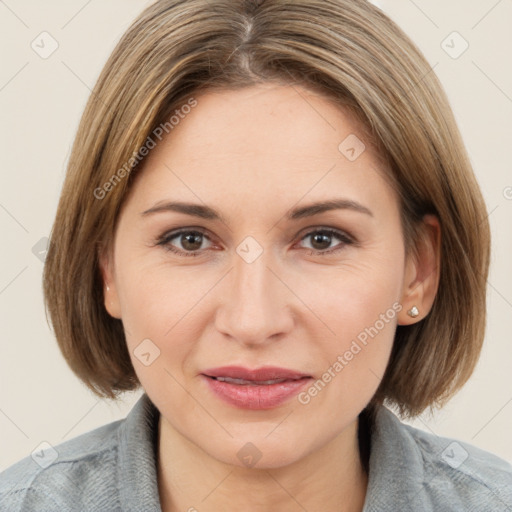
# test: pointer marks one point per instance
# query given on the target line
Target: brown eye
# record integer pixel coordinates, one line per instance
(321, 240)
(184, 242)
(191, 241)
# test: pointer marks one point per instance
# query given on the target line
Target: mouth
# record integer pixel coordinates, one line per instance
(264, 374)
(244, 382)
(262, 388)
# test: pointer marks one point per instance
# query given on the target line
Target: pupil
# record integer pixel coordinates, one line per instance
(319, 238)
(189, 239)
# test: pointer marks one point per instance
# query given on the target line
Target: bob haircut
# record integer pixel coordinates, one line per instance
(350, 52)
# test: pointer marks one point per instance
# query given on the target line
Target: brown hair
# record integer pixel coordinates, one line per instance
(356, 56)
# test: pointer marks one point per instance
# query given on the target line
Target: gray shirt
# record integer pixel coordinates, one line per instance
(113, 468)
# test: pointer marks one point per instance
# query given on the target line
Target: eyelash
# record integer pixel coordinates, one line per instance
(164, 240)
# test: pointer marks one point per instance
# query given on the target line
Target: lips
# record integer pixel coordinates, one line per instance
(245, 382)
(259, 375)
(262, 388)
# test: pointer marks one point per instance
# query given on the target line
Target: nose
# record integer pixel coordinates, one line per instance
(255, 306)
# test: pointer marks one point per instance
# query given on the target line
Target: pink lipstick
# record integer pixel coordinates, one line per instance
(261, 388)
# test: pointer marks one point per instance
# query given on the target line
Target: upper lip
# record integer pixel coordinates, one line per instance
(258, 374)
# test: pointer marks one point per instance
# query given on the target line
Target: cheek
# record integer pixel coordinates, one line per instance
(354, 358)
(161, 310)
(352, 296)
(358, 306)
(156, 298)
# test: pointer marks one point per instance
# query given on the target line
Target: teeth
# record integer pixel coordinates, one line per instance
(249, 382)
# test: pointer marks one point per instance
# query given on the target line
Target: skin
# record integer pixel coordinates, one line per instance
(253, 155)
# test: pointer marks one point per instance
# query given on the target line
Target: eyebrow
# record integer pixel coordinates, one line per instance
(206, 212)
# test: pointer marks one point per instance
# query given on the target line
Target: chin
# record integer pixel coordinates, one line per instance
(263, 454)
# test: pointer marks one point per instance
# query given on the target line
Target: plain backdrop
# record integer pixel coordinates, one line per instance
(41, 101)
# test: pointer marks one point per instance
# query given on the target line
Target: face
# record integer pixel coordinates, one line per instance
(252, 276)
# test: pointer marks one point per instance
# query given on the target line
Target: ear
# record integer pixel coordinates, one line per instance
(422, 272)
(110, 293)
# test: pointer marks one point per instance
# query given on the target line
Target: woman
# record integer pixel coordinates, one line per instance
(270, 223)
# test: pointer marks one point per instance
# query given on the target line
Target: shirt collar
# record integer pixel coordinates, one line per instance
(137, 470)
(396, 472)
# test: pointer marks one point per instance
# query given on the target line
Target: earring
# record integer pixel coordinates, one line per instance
(413, 312)
(108, 288)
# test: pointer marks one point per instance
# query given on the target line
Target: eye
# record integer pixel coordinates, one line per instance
(322, 238)
(188, 242)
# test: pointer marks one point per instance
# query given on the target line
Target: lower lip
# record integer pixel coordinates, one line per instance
(256, 397)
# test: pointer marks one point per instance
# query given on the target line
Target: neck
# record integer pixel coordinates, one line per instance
(331, 479)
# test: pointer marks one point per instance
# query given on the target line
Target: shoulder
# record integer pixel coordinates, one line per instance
(468, 475)
(439, 473)
(78, 474)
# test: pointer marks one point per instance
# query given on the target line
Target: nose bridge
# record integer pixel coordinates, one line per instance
(251, 281)
(254, 307)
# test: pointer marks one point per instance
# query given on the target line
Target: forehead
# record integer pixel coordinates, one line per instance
(268, 139)
(265, 119)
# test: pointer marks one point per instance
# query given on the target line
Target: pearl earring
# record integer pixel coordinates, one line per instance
(413, 312)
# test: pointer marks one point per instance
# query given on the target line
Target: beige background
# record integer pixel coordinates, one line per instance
(41, 100)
